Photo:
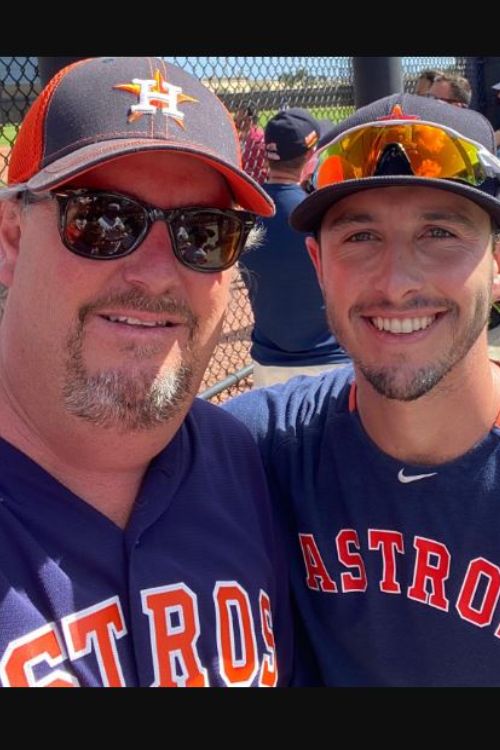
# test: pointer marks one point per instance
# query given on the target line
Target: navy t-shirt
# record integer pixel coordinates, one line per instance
(395, 567)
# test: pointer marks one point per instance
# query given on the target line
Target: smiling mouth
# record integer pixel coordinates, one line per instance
(125, 320)
(403, 325)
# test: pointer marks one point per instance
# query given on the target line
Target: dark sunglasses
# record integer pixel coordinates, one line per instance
(104, 226)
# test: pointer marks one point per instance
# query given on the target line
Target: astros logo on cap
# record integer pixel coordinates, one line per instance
(398, 114)
(311, 139)
(155, 95)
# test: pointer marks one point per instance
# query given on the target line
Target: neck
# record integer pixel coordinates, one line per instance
(283, 178)
(441, 425)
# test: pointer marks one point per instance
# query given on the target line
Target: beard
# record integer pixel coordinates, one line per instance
(403, 382)
(111, 398)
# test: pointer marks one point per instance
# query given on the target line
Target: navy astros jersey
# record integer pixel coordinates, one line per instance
(395, 568)
(192, 593)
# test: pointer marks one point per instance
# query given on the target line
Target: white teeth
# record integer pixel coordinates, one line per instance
(407, 326)
(395, 326)
(403, 325)
(136, 322)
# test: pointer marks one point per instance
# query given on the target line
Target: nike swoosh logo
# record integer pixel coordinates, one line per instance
(414, 477)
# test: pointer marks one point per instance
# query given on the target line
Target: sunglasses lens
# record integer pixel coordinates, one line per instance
(106, 225)
(206, 240)
(103, 226)
(430, 151)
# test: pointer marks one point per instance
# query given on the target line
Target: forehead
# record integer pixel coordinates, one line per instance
(440, 87)
(393, 204)
(158, 176)
(423, 85)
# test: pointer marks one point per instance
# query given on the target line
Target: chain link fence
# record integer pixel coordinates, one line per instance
(323, 85)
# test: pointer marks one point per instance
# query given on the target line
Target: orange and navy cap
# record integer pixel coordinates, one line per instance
(99, 109)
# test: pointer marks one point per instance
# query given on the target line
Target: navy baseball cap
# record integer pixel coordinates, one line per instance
(291, 133)
(412, 110)
(99, 109)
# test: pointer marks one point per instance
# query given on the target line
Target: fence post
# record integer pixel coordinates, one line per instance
(48, 66)
(490, 70)
(375, 77)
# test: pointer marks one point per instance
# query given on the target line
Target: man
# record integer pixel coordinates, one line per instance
(251, 135)
(496, 89)
(425, 81)
(137, 545)
(290, 334)
(453, 89)
(388, 475)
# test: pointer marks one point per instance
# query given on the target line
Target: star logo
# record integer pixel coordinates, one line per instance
(398, 114)
(156, 95)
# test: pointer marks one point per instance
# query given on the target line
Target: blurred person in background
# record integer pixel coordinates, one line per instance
(452, 89)
(291, 334)
(425, 81)
(251, 135)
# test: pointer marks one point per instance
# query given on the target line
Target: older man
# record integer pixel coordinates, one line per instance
(451, 88)
(137, 543)
(388, 474)
(425, 80)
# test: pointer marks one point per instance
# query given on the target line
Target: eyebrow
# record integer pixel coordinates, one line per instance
(350, 217)
(455, 216)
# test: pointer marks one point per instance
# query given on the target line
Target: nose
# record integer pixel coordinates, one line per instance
(398, 275)
(153, 266)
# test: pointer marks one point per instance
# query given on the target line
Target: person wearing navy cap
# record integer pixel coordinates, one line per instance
(290, 334)
(386, 474)
(138, 547)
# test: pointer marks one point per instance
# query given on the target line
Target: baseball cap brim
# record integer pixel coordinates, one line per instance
(246, 191)
(307, 215)
(324, 127)
(496, 86)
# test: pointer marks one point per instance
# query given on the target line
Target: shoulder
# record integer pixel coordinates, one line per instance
(214, 439)
(284, 411)
(286, 197)
(219, 429)
(208, 417)
(289, 191)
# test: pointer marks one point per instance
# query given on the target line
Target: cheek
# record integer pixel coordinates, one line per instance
(341, 283)
(208, 297)
(55, 283)
(468, 279)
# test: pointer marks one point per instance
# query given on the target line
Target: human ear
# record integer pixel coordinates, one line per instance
(10, 234)
(496, 268)
(314, 251)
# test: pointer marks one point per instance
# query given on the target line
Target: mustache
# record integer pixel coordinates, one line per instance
(415, 304)
(133, 299)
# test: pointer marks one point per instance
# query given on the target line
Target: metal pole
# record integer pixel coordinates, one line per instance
(375, 77)
(233, 379)
(491, 76)
(48, 66)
